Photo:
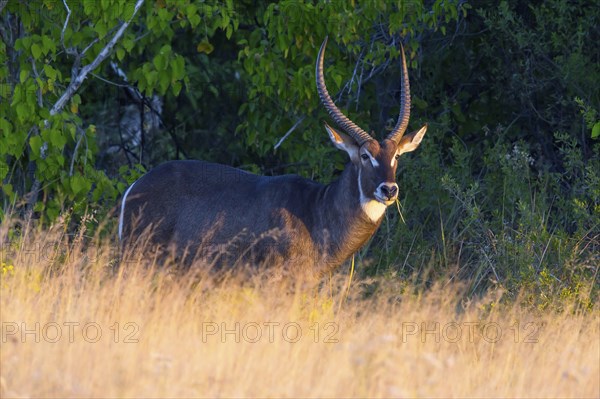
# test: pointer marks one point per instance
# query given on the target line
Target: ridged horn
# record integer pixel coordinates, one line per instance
(402, 123)
(349, 127)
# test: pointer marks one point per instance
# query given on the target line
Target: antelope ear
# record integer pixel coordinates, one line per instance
(343, 142)
(411, 141)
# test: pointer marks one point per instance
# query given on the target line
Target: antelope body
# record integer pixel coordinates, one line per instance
(282, 220)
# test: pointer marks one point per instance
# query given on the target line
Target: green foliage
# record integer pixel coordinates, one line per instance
(504, 190)
(48, 157)
(506, 225)
(278, 57)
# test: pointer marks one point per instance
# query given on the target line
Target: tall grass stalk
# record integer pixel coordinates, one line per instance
(77, 326)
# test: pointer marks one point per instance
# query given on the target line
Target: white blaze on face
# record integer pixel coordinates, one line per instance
(373, 160)
(372, 208)
(394, 160)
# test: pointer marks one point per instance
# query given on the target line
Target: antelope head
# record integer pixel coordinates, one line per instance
(376, 161)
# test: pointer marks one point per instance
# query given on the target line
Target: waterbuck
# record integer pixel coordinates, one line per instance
(282, 220)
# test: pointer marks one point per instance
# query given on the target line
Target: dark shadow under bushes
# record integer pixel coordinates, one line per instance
(508, 223)
(505, 189)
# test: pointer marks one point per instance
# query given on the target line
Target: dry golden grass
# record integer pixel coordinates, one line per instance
(167, 335)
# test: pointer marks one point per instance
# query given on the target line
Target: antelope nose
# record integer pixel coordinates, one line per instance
(390, 191)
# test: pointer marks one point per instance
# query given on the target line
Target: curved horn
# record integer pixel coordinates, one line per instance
(350, 127)
(402, 123)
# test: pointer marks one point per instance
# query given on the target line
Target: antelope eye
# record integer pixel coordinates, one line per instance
(397, 156)
(364, 157)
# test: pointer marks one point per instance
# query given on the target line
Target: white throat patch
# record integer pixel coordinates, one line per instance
(372, 208)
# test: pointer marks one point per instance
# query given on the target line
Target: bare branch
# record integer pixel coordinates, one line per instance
(81, 136)
(285, 136)
(62, 33)
(118, 71)
(108, 81)
(44, 147)
(96, 40)
(362, 71)
(135, 93)
(76, 83)
(348, 86)
(37, 77)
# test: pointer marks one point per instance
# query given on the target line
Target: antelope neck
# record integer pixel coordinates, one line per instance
(343, 212)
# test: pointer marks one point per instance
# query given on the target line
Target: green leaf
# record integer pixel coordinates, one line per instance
(195, 20)
(48, 44)
(178, 67)
(166, 49)
(128, 44)
(22, 112)
(3, 171)
(191, 9)
(128, 11)
(338, 80)
(72, 130)
(90, 7)
(52, 212)
(8, 189)
(23, 75)
(163, 82)
(35, 143)
(36, 51)
(5, 127)
(160, 62)
(176, 88)
(79, 184)
(205, 47)
(57, 138)
(23, 43)
(101, 28)
(5, 90)
(151, 78)
(50, 72)
(225, 21)
(596, 130)
(164, 15)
